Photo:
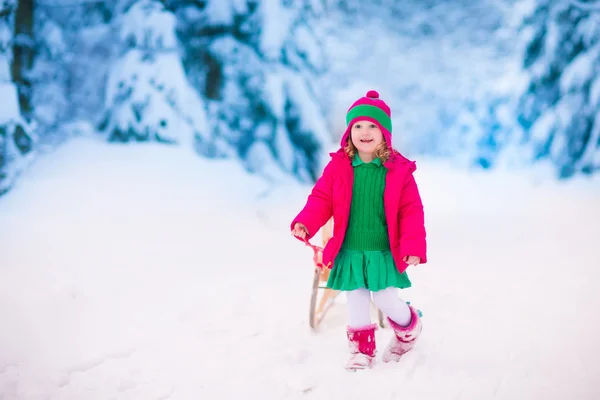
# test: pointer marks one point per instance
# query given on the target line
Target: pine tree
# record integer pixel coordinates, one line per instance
(75, 49)
(255, 62)
(561, 106)
(148, 97)
(50, 76)
(16, 143)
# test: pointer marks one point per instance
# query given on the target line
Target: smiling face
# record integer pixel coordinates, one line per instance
(366, 136)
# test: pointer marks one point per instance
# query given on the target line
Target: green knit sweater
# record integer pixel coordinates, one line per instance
(367, 229)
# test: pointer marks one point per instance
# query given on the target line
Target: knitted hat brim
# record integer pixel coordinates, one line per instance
(386, 133)
(369, 110)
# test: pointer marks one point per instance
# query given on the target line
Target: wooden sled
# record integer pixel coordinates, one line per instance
(322, 298)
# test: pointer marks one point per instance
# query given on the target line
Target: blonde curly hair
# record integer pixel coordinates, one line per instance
(382, 151)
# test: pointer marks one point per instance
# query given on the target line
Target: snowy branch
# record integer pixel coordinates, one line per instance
(586, 6)
(4, 12)
(68, 3)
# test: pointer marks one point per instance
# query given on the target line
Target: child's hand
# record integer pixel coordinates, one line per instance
(300, 230)
(412, 260)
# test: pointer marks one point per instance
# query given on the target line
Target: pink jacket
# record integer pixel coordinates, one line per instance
(332, 195)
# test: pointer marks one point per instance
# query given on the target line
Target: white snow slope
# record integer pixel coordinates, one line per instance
(145, 272)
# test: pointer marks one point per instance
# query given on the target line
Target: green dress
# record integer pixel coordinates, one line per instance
(365, 259)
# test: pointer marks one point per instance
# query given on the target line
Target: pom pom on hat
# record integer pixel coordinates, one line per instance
(372, 94)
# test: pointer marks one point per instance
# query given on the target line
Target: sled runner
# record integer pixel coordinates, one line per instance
(323, 298)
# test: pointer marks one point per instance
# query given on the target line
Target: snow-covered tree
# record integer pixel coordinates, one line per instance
(254, 62)
(16, 144)
(49, 79)
(560, 110)
(147, 94)
(74, 50)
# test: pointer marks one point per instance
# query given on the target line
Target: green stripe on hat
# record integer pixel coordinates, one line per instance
(366, 110)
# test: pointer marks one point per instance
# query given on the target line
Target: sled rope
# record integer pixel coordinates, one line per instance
(316, 251)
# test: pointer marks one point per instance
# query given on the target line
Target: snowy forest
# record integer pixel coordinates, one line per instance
(155, 154)
(266, 82)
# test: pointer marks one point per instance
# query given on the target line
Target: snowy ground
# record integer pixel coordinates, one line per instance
(128, 272)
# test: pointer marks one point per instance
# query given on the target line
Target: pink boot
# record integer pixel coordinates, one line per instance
(404, 339)
(362, 347)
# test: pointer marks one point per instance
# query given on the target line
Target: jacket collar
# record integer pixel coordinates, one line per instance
(397, 160)
(357, 161)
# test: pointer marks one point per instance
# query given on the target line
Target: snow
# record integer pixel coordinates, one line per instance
(589, 6)
(518, 11)
(145, 272)
(53, 35)
(305, 49)
(9, 111)
(274, 95)
(9, 104)
(220, 12)
(260, 160)
(543, 127)
(568, 107)
(12, 161)
(276, 23)
(284, 146)
(4, 62)
(595, 92)
(552, 38)
(578, 72)
(588, 29)
(148, 25)
(591, 154)
(307, 109)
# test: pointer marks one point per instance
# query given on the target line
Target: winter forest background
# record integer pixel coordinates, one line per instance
(154, 152)
(487, 83)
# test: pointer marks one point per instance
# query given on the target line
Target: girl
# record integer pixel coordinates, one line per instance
(370, 191)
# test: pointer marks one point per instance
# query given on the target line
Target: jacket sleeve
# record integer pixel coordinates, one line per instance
(412, 222)
(319, 205)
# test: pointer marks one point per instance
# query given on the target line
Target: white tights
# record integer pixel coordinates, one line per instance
(387, 300)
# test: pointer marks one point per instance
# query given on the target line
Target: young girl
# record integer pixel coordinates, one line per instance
(370, 191)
